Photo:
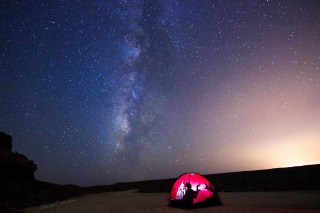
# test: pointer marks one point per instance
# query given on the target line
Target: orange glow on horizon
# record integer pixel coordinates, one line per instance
(294, 150)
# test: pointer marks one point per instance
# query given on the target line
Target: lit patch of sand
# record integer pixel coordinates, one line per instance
(131, 201)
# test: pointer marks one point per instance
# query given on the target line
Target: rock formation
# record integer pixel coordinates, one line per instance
(18, 187)
(5, 141)
(14, 166)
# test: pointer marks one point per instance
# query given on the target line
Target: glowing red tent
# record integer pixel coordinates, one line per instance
(206, 194)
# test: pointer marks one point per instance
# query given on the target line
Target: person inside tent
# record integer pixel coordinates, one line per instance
(189, 195)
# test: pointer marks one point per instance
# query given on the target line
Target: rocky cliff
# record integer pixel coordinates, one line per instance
(14, 166)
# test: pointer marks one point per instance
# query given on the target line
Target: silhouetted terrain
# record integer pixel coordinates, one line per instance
(14, 166)
(18, 189)
(280, 179)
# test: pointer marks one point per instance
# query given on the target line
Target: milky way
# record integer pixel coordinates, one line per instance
(97, 92)
(136, 127)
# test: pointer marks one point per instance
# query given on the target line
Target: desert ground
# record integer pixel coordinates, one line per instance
(132, 201)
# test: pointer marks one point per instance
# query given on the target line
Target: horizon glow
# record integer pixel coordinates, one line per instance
(102, 92)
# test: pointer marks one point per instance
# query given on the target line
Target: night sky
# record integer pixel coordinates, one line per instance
(98, 92)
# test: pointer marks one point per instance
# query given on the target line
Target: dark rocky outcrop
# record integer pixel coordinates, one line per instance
(16, 175)
(5, 141)
(19, 189)
(14, 166)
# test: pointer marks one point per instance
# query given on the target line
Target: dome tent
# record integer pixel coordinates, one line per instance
(205, 193)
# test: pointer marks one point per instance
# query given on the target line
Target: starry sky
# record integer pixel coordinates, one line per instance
(98, 92)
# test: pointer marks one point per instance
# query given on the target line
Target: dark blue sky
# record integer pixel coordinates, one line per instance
(97, 92)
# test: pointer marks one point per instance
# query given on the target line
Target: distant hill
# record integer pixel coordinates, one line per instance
(280, 179)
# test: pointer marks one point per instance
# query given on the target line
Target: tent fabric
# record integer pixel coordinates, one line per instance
(206, 196)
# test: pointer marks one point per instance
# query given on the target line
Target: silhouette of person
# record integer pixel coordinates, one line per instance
(189, 195)
(210, 188)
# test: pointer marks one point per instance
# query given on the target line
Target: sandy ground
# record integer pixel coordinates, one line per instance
(131, 201)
